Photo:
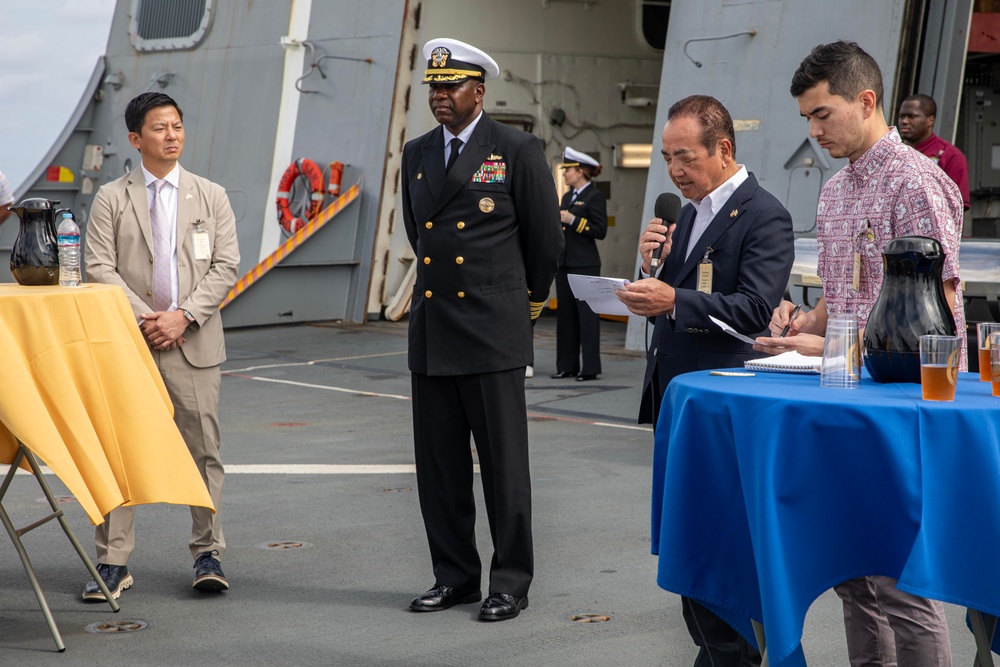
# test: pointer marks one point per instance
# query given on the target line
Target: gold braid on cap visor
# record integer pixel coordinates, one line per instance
(435, 75)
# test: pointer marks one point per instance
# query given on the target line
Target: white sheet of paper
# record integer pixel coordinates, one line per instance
(731, 331)
(599, 293)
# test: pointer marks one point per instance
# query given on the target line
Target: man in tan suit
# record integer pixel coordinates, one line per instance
(168, 238)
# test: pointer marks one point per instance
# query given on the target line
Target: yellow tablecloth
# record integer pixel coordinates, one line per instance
(79, 388)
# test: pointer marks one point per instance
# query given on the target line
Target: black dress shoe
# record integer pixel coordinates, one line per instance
(440, 598)
(501, 606)
(584, 378)
(563, 375)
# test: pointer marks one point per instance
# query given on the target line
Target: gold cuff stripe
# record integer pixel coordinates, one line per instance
(580, 227)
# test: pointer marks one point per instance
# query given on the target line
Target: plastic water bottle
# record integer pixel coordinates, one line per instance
(68, 234)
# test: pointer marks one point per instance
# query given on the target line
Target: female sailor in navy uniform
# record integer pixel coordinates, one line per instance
(584, 216)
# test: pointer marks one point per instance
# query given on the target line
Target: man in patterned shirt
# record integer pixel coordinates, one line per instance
(887, 190)
(6, 197)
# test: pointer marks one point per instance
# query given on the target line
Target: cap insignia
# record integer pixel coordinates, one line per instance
(439, 57)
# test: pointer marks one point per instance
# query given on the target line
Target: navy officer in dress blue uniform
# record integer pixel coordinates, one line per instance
(481, 212)
(584, 216)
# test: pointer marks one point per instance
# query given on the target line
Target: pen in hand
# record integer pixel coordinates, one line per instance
(795, 313)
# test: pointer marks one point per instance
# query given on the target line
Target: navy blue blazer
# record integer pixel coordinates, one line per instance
(590, 223)
(752, 249)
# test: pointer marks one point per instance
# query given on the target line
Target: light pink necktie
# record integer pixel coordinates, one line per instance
(162, 297)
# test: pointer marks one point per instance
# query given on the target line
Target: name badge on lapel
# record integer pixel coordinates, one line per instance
(202, 247)
(705, 272)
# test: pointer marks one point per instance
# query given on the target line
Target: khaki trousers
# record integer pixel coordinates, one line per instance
(194, 393)
(887, 627)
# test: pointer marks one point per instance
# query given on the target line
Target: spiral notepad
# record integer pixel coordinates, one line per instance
(787, 362)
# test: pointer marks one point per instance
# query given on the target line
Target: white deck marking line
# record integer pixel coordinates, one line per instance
(21, 471)
(295, 469)
(316, 361)
(307, 385)
(324, 469)
(648, 429)
(374, 394)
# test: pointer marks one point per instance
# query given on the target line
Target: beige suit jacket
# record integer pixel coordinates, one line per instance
(119, 251)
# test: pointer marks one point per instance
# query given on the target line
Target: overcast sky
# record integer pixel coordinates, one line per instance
(48, 49)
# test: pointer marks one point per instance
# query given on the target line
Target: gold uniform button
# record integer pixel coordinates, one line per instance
(150, 260)
(428, 224)
(149, 292)
(427, 260)
(461, 225)
(459, 260)
(428, 294)
(461, 295)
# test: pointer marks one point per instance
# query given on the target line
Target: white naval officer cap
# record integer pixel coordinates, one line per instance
(452, 61)
(574, 158)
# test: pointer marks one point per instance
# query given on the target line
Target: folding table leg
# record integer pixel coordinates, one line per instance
(15, 534)
(16, 539)
(983, 628)
(758, 631)
(57, 510)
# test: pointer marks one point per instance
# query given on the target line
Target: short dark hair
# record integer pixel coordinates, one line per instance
(139, 106)
(716, 123)
(845, 66)
(925, 102)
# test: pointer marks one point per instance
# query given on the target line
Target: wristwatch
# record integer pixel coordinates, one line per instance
(188, 315)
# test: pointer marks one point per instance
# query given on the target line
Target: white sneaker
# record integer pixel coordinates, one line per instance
(529, 371)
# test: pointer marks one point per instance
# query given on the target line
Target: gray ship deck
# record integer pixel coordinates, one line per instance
(336, 395)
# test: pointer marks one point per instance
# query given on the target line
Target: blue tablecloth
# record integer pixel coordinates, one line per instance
(769, 490)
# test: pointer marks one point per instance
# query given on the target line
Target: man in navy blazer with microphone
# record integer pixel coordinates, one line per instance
(728, 255)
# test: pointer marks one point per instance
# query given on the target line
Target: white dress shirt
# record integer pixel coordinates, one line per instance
(464, 136)
(710, 205)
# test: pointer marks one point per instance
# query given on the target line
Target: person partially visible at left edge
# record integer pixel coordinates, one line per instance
(916, 127)
(729, 255)
(168, 238)
(584, 216)
(6, 197)
(480, 210)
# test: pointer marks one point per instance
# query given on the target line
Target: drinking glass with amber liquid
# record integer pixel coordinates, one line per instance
(984, 331)
(994, 341)
(939, 357)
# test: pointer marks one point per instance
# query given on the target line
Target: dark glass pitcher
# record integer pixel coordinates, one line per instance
(911, 304)
(34, 259)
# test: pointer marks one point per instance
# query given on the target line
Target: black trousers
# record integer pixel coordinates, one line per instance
(721, 646)
(489, 407)
(577, 327)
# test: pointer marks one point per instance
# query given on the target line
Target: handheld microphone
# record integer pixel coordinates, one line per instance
(666, 208)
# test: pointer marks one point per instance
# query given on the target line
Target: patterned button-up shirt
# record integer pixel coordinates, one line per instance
(6, 194)
(895, 191)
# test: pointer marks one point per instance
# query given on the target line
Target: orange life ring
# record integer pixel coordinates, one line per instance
(314, 175)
